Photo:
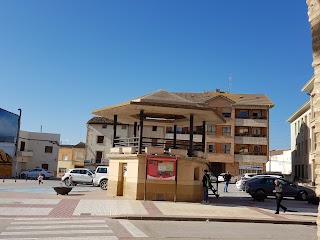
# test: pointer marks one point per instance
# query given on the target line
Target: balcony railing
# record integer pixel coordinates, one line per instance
(165, 143)
(250, 153)
(250, 135)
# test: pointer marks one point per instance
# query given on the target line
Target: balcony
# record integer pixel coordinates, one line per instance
(251, 122)
(185, 136)
(25, 153)
(262, 140)
(249, 157)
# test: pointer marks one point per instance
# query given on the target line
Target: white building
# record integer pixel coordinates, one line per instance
(280, 161)
(37, 150)
(303, 141)
(100, 138)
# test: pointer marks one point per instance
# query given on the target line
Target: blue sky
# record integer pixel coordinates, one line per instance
(59, 60)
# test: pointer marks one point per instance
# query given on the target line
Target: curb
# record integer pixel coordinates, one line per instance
(204, 219)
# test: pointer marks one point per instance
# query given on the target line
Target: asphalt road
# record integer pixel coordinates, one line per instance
(107, 229)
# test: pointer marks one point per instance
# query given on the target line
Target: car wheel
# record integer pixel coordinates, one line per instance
(302, 196)
(24, 176)
(260, 195)
(104, 184)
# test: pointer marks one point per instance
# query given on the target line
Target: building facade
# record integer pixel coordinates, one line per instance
(241, 143)
(100, 138)
(280, 161)
(70, 156)
(303, 138)
(37, 150)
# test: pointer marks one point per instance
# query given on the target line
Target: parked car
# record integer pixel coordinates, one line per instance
(221, 178)
(34, 173)
(100, 178)
(261, 187)
(240, 184)
(243, 181)
(79, 175)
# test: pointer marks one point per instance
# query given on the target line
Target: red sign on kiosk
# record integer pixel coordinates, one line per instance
(162, 168)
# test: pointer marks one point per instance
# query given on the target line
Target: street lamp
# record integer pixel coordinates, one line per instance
(16, 145)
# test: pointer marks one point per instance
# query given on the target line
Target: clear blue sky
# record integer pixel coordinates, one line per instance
(59, 60)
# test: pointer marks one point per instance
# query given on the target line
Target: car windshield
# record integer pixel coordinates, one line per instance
(91, 171)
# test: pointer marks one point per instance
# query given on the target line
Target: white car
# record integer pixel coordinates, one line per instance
(34, 173)
(79, 175)
(101, 176)
(221, 178)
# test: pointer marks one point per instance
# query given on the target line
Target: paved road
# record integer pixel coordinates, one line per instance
(108, 229)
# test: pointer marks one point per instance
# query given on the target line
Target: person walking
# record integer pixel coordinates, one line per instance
(206, 183)
(278, 190)
(227, 178)
(40, 178)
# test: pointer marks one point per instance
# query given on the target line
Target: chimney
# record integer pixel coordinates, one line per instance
(217, 90)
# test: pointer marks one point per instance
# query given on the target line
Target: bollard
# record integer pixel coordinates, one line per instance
(3, 178)
(15, 179)
(26, 177)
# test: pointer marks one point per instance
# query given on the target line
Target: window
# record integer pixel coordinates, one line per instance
(100, 139)
(243, 130)
(124, 127)
(154, 128)
(98, 156)
(226, 112)
(77, 171)
(65, 157)
(62, 170)
(257, 149)
(44, 166)
(226, 148)
(102, 170)
(48, 149)
(104, 126)
(256, 131)
(257, 114)
(226, 131)
(212, 129)
(212, 147)
(83, 171)
(244, 114)
(154, 142)
(243, 149)
(22, 146)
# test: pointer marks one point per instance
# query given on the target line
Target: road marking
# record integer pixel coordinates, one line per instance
(63, 238)
(135, 232)
(56, 222)
(55, 232)
(57, 226)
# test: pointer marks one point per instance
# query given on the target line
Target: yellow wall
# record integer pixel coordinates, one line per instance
(135, 185)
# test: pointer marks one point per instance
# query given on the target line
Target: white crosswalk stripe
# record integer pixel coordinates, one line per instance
(58, 229)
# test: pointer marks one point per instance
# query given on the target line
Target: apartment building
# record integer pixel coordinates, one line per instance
(303, 138)
(241, 144)
(37, 149)
(280, 161)
(70, 156)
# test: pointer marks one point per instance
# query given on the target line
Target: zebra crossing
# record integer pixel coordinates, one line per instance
(57, 229)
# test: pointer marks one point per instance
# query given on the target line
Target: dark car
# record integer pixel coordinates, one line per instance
(260, 188)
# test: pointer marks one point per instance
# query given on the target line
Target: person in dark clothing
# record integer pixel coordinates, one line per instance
(278, 190)
(206, 184)
(227, 178)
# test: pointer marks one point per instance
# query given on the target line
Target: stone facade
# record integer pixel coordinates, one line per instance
(314, 18)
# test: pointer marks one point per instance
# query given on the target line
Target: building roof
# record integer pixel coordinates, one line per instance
(100, 120)
(309, 85)
(237, 99)
(176, 107)
(304, 108)
(277, 152)
(79, 145)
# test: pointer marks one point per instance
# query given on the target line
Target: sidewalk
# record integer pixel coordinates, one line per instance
(28, 200)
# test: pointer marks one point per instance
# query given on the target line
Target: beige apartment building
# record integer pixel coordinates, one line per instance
(241, 143)
(303, 138)
(70, 156)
